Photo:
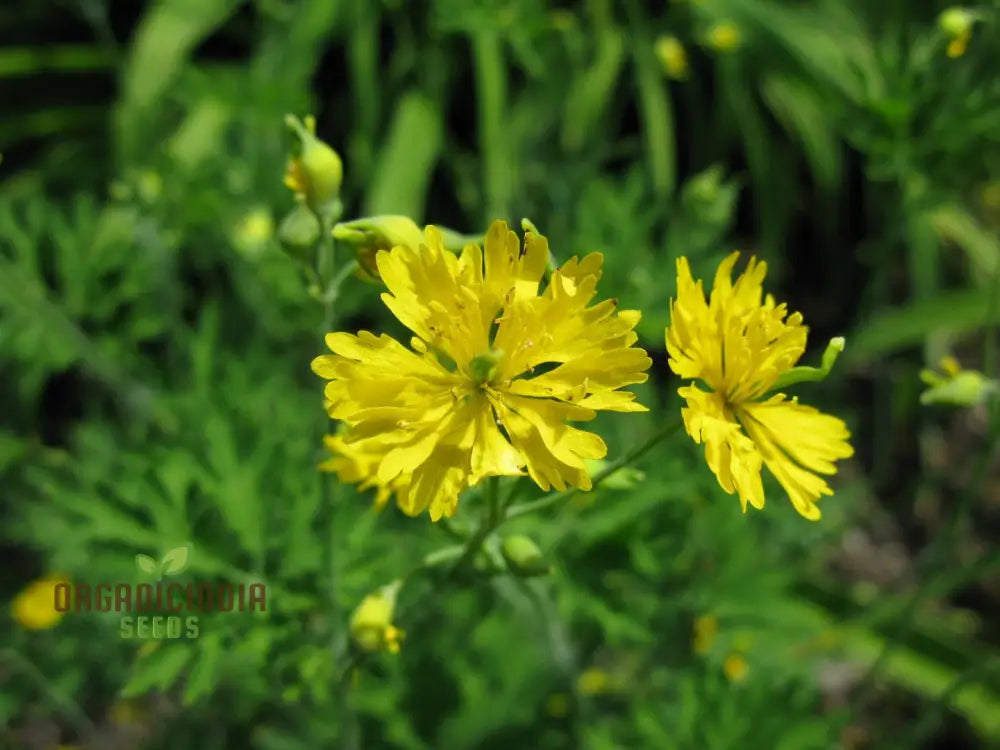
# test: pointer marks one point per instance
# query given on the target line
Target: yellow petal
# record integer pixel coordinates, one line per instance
(731, 455)
(797, 442)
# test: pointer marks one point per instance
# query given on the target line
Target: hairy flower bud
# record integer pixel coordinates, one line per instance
(524, 557)
(315, 171)
(371, 624)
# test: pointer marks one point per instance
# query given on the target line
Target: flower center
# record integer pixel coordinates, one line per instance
(483, 368)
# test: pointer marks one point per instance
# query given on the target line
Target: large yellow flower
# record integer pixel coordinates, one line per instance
(494, 372)
(738, 345)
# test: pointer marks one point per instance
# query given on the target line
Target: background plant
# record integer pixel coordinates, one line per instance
(155, 348)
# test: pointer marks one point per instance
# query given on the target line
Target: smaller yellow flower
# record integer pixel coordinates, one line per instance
(672, 56)
(724, 37)
(736, 668)
(594, 681)
(253, 231)
(958, 45)
(371, 624)
(705, 629)
(957, 24)
(35, 607)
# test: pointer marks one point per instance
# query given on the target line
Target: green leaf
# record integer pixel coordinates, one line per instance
(908, 325)
(657, 115)
(166, 36)
(206, 672)
(158, 670)
(403, 170)
(235, 491)
(805, 114)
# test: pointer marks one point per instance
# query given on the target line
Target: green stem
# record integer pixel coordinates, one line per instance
(325, 266)
(492, 518)
(635, 454)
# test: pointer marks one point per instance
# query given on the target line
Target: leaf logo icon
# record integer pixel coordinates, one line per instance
(175, 560)
(147, 564)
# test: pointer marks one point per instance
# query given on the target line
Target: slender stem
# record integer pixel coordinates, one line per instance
(325, 267)
(635, 454)
(492, 518)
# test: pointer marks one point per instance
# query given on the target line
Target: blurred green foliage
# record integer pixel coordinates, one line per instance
(155, 346)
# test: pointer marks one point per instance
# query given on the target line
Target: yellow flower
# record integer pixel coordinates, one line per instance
(957, 24)
(35, 607)
(495, 371)
(724, 37)
(705, 628)
(735, 668)
(673, 59)
(371, 624)
(594, 681)
(739, 346)
(253, 231)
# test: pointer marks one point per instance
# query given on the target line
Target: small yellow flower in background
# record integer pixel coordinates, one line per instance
(352, 464)
(705, 629)
(315, 171)
(369, 235)
(371, 624)
(724, 37)
(735, 668)
(594, 681)
(673, 59)
(740, 345)
(957, 387)
(957, 24)
(433, 413)
(35, 607)
(253, 231)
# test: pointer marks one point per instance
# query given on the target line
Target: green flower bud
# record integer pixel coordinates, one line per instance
(315, 172)
(804, 374)
(957, 387)
(956, 22)
(523, 557)
(369, 235)
(299, 232)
